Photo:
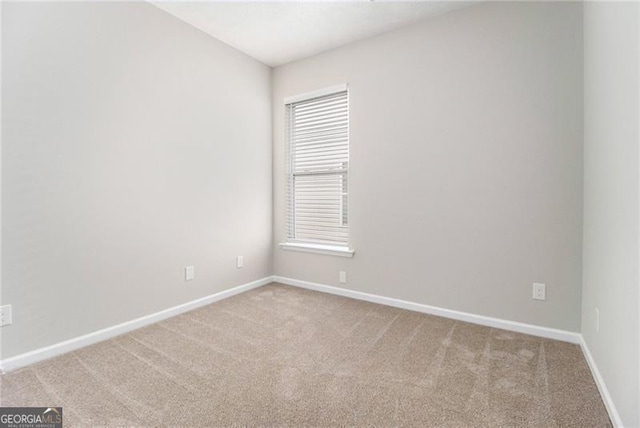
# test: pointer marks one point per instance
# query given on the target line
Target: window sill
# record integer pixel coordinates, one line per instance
(330, 250)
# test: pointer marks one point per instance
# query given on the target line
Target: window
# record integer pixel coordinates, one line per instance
(318, 168)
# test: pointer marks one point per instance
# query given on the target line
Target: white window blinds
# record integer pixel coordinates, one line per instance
(318, 165)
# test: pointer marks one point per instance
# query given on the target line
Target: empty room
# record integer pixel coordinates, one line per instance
(345, 213)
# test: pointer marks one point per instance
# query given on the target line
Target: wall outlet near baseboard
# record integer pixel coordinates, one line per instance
(5, 315)
(597, 319)
(539, 291)
(239, 262)
(342, 277)
(189, 273)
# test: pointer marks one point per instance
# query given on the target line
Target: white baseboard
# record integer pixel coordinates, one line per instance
(602, 387)
(534, 330)
(60, 348)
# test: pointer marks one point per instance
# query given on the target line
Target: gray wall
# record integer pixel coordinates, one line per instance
(466, 162)
(611, 115)
(133, 145)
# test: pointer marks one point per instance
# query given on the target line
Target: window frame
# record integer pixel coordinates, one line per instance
(306, 245)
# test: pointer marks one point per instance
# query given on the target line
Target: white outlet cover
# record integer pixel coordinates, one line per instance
(5, 315)
(342, 277)
(539, 291)
(189, 273)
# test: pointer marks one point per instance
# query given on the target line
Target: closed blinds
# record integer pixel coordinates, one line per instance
(318, 156)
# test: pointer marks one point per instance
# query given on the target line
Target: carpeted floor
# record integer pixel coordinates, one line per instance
(283, 356)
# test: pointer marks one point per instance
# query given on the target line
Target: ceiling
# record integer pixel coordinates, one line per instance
(276, 33)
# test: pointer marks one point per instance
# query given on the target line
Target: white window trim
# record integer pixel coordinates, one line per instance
(329, 250)
(316, 94)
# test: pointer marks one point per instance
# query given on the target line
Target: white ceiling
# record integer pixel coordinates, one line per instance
(276, 33)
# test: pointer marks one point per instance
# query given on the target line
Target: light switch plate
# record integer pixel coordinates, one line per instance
(239, 262)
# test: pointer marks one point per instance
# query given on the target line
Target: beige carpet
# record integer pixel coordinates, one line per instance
(283, 356)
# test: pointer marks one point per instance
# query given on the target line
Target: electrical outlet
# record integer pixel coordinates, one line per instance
(5, 315)
(539, 291)
(189, 273)
(239, 262)
(597, 319)
(342, 277)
